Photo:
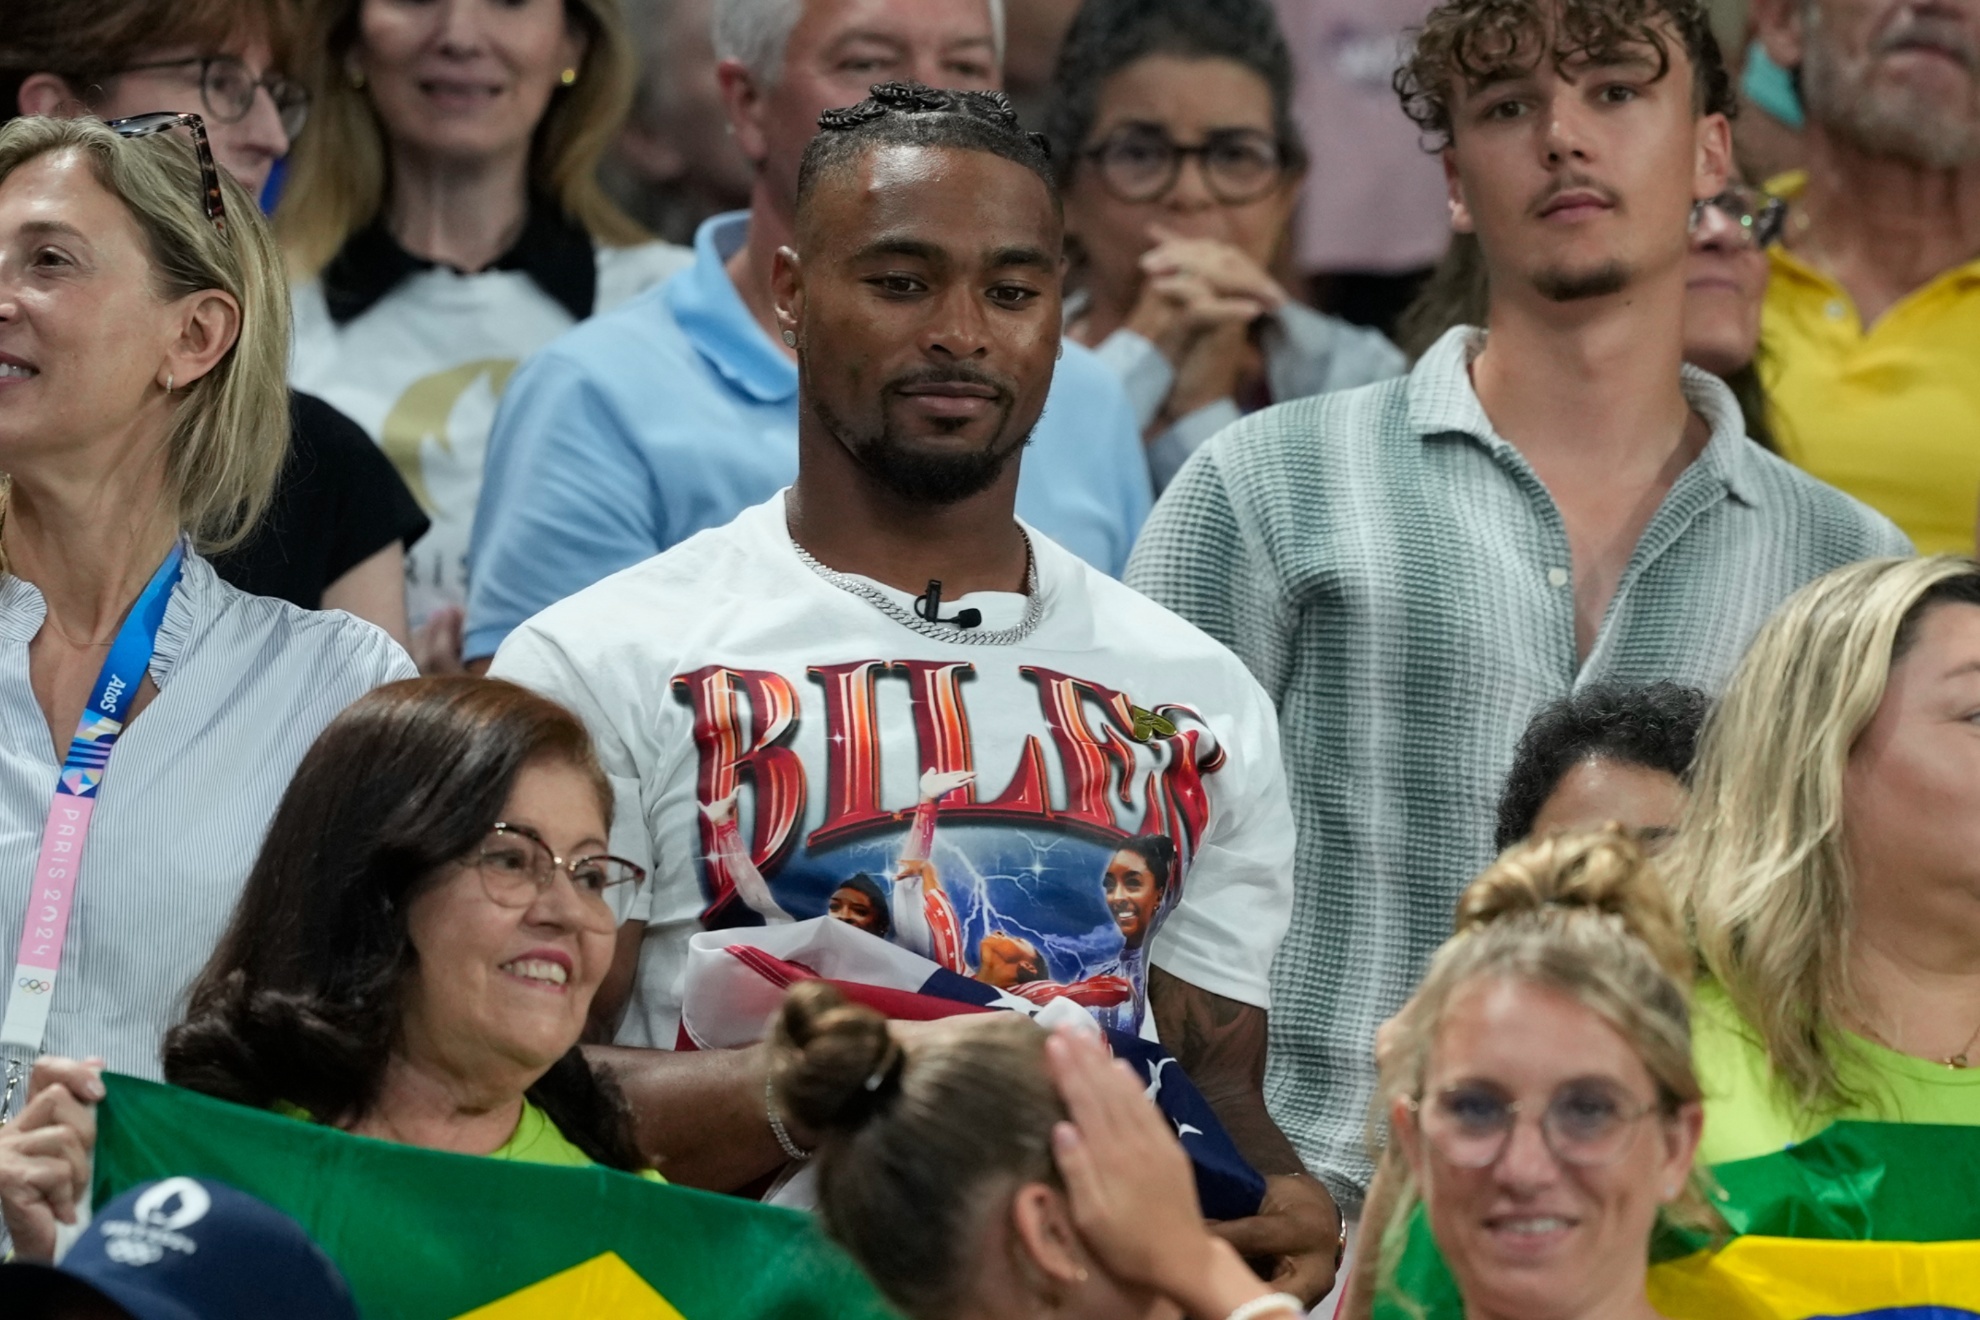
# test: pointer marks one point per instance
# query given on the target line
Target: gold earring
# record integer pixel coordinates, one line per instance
(168, 382)
(357, 80)
(569, 76)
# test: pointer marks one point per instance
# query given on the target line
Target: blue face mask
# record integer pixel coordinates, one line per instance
(1770, 88)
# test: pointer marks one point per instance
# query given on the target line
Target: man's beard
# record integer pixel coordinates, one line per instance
(1886, 119)
(1559, 285)
(916, 474)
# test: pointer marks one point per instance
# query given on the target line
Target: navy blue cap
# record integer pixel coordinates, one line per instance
(185, 1249)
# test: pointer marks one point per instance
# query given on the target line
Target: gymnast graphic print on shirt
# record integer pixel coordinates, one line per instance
(1046, 877)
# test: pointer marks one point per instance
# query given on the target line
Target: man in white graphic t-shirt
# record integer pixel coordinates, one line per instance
(882, 674)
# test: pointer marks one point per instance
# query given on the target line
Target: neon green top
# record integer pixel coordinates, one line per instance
(536, 1140)
(1746, 1115)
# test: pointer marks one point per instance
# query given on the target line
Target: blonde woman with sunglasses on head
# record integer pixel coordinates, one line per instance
(143, 335)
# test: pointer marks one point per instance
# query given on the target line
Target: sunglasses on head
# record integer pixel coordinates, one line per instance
(159, 121)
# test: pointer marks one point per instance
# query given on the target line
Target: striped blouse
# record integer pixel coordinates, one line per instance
(245, 683)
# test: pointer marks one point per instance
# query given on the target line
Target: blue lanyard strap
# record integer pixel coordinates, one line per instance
(116, 687)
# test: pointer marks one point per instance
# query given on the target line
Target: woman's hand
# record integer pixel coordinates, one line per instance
(1199, 299)
(45, 1153)
(1132, 1192)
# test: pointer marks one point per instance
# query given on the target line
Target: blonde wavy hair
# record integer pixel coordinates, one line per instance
(339, 170)
(1585, 914)
(1761, 860)
(230, 430)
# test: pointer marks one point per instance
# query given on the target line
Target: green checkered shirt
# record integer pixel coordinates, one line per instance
(1399, 580)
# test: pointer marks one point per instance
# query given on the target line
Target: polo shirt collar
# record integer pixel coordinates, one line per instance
(553, 250)
(1442, 402)
(712, 314)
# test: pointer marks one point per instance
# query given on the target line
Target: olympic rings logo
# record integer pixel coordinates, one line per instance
(35, 987)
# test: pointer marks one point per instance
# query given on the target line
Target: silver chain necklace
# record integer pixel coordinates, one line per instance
(1034, 603)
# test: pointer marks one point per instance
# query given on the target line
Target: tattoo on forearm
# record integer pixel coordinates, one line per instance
(1221, 1045)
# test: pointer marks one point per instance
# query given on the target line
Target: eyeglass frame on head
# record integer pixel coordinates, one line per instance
(1095, 154)
(158, 121)
(569, 867)
(1512, 1110)
(269, 82)
(1761, 223)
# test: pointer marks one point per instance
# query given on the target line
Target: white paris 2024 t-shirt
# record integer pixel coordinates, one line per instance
(1042, 814)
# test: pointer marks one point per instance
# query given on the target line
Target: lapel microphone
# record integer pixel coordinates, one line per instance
(929, 606)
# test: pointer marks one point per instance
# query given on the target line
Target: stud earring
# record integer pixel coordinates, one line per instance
(168, 382)
(790, 338)
(357, 80)
(569, 77)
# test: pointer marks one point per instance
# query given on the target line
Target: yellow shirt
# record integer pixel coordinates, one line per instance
(536, 1140)
(1890, 414)
(1745, 1115)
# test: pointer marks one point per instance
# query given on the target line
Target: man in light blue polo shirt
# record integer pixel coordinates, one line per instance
(677, 410)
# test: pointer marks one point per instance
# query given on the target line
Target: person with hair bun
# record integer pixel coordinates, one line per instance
(981, 1167)
(414, 958)
(1539, 1088)
(1830, 862)
(144, 329)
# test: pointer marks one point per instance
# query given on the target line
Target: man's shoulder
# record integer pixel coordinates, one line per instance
(1082, 383)
(700, 579)
(1310, 449)
(1827, 521)
(641, 330)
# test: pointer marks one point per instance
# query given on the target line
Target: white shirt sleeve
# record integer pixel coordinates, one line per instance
(1237, 896)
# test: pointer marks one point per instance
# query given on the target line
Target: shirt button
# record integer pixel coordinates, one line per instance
(1557, 577)
(1835, 309)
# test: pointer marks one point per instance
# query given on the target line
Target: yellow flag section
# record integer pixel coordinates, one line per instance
(604, 1287)
(1772, 1278)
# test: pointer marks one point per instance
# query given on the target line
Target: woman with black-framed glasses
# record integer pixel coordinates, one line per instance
(1173, 137)
(416, 953)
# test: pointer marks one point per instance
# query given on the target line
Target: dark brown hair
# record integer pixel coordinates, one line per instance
(918, 1146)
(301, 1002)
(86, 42)
(1467, 42)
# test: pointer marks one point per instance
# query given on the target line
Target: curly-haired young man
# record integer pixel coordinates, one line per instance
(1412, 569)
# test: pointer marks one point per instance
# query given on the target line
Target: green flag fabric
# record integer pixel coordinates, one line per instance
(1864, 1219)
(427, 1235)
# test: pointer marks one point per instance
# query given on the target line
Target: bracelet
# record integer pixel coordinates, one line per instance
(777, 1128)
(1267, 1305)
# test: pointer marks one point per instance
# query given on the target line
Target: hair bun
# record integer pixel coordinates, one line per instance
(834, 1065)
(1604, 873)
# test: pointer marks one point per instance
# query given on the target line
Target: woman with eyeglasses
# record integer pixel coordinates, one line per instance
(414, 957)
(445, 217)
(1725, 287)
(143, 338)
(1172, 133)
(1542, 1104)
(336, 531)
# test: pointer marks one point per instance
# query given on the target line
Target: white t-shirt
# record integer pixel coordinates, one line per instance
(422, 371)
(771, 736)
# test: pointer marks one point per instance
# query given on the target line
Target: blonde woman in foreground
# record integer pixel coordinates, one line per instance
(981, 1168)
(1829, 862)
(1539, 1088)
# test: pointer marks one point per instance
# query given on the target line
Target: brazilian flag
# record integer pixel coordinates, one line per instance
(1866, 1221)
(426, 1235)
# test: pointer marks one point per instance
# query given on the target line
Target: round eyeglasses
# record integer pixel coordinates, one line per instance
(227, 87)
(1141, 163)
(1756, 217)
(1587, 1123)
(516, 867)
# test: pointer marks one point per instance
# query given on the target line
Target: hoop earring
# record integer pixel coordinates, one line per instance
(569, 76)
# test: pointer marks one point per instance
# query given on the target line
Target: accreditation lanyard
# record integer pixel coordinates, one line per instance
(46, 927)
